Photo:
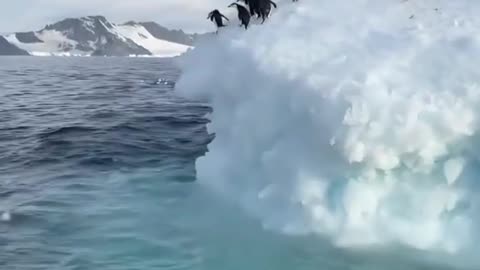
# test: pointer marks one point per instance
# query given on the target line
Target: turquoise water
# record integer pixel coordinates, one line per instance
(97, 172)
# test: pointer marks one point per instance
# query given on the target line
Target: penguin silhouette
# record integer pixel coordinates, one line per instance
(252, 5)
(243, 14)
(217, 16)
(264, 8)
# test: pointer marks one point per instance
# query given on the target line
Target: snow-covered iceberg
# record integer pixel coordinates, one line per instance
(357, 120)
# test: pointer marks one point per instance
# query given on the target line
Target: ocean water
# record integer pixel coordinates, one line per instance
(97, 171)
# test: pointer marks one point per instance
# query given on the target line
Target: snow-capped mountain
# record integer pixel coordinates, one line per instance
(96, 36)
(8, 49)
(177, 36)
(156, 46)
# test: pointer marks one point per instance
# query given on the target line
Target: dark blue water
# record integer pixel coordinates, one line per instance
(97, 172)
(83, 142)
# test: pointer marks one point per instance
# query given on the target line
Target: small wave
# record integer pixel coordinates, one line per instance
(69, 130)
(104, 114)
(18, 128)
(98, 161)
(125, 127)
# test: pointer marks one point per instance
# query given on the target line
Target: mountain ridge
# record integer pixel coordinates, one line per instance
(9, 49)
(97, 36)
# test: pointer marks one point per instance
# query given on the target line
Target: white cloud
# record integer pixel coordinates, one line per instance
(23, 15)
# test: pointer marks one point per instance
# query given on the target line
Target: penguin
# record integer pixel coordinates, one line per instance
(261, 8)
(243, 14)
(217, 16)
(252, 5)
(264, 8)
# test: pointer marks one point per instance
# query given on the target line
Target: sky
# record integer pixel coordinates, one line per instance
(190, 15)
